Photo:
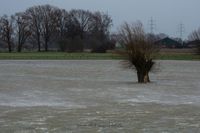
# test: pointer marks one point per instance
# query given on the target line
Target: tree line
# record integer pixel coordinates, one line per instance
(47, 27)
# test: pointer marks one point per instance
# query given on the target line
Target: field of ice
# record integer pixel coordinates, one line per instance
(98, 96)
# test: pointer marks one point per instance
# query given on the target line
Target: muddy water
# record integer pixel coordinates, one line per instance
(98, 96)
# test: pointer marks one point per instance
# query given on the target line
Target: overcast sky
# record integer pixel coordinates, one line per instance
(167, 14)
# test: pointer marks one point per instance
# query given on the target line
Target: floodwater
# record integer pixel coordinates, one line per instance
(98, 97)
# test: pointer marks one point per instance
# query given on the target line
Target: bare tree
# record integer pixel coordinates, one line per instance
(82, 19)
(34, 17)
(6, 31)
(50, 23)
(101, 24)
(195, 36)
(78, 25)
(22, 30)
(62, 21)
(100, 31)
(139, 49)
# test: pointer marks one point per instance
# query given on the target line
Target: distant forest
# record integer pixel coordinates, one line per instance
(46, 27)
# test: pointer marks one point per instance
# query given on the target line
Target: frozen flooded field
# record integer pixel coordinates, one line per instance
(98, 97)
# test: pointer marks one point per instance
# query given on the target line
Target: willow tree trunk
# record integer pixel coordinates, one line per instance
(143, 77)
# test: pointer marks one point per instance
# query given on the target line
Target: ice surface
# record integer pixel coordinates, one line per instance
(98, 96)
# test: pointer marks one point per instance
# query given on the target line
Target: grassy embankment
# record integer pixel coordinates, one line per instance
(163, 55)
(178, 54)
(57, 56)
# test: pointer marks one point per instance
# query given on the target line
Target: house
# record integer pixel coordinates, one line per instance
(168, 43)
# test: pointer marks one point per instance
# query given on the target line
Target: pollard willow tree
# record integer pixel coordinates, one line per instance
(139, 49)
